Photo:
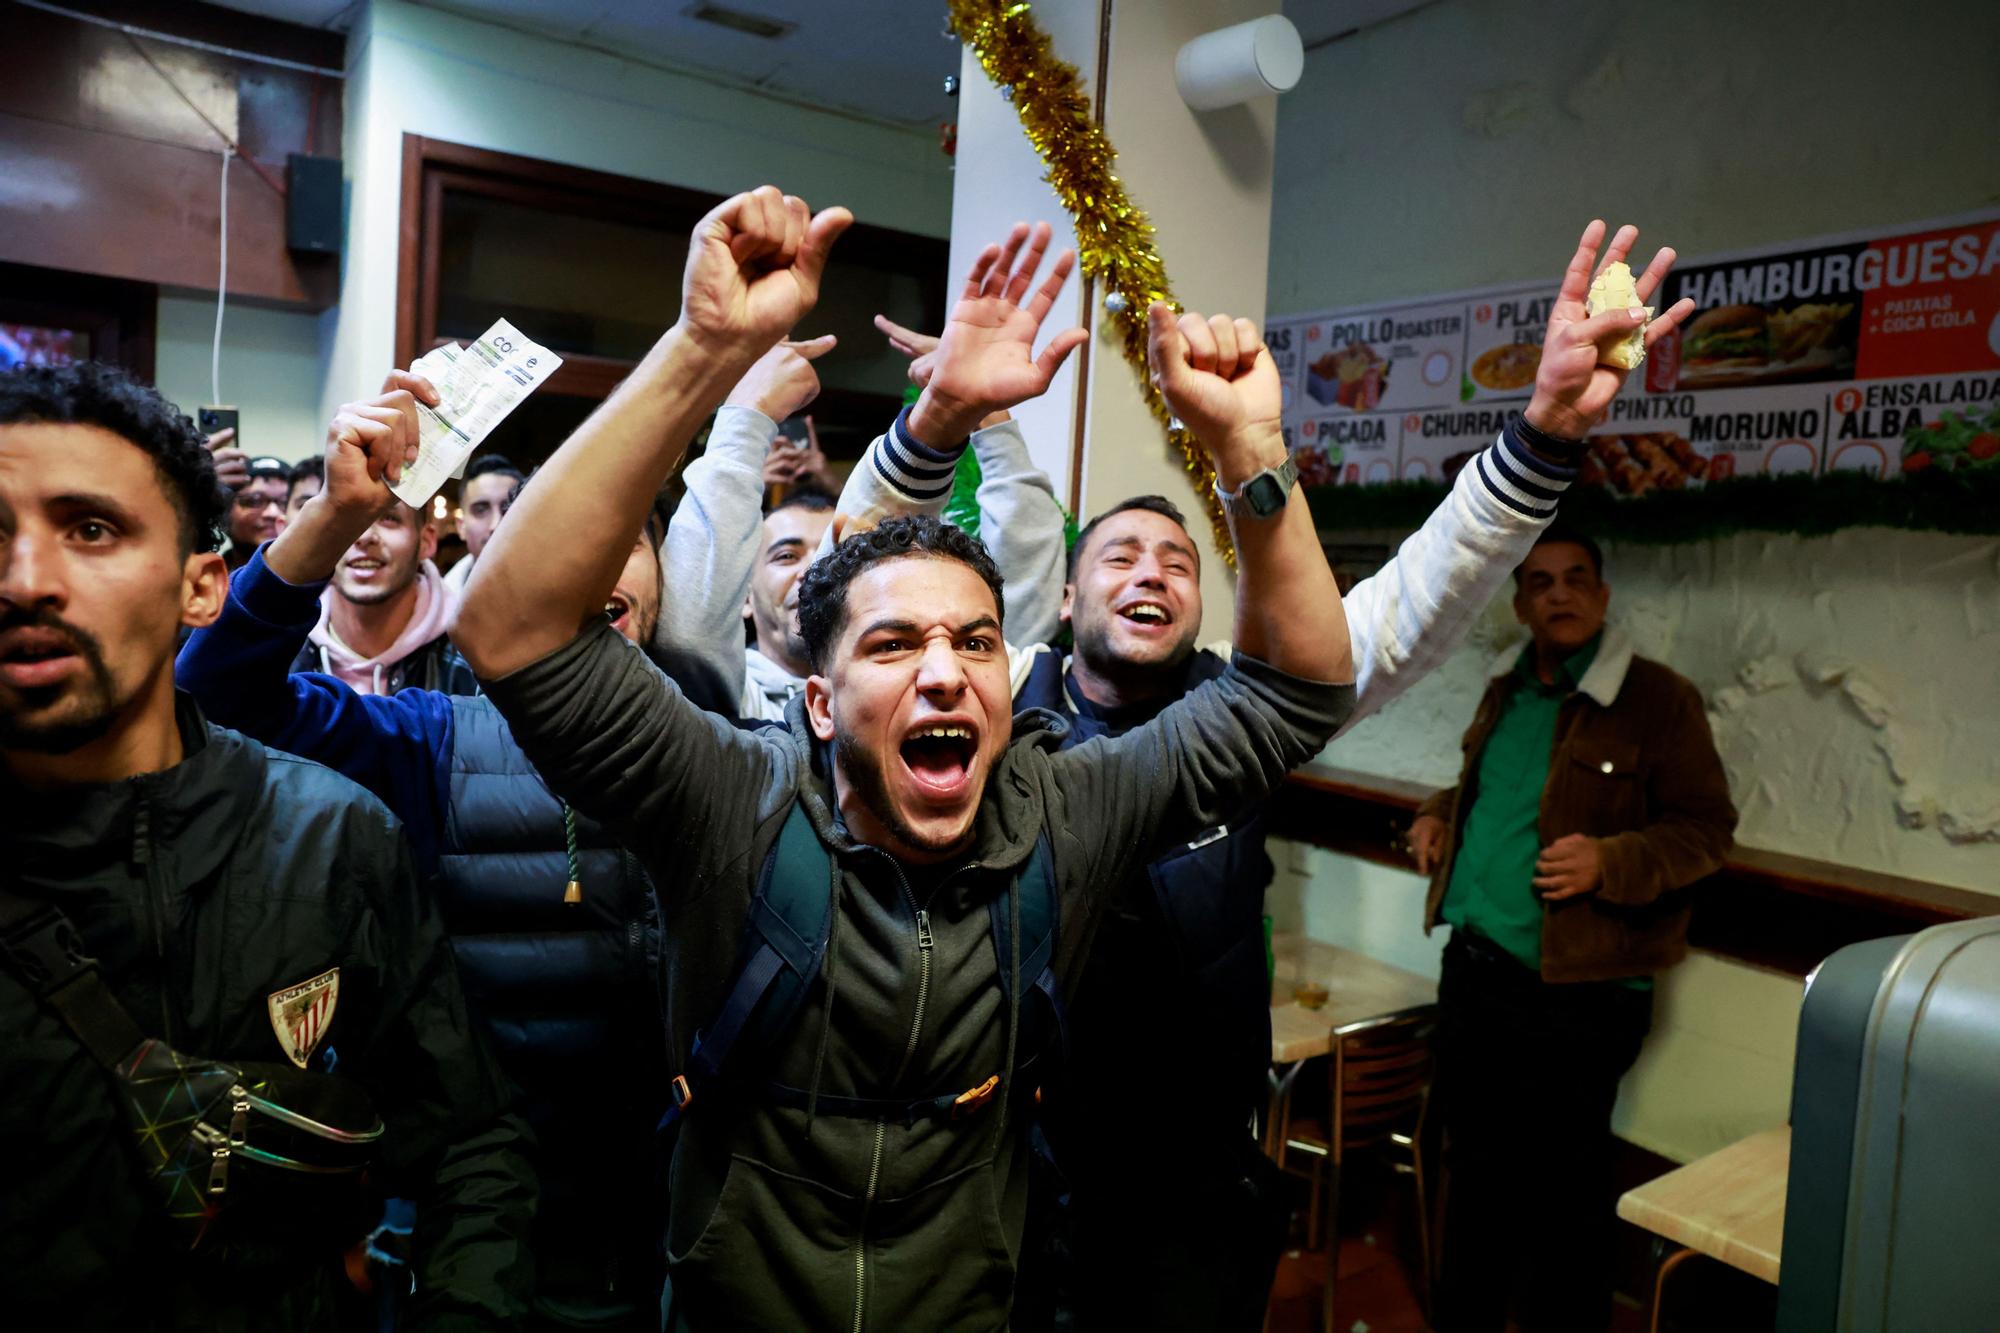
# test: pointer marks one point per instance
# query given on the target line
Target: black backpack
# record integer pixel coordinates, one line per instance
(784, 947)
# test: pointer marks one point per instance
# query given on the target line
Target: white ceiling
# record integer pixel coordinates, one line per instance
(884, 59)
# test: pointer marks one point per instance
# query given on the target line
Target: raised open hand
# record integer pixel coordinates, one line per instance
(985, 360)
(1217, 378)
(753, 269)
(1573, 389)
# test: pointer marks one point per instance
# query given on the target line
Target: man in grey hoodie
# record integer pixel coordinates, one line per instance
(721, 546)
(924, 794)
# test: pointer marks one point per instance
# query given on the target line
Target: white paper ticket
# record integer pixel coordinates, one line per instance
(477, 387)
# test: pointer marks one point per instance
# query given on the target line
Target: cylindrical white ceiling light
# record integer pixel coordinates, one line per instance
(1234, 64)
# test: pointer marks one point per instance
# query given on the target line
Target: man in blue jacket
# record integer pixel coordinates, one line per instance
(554, 926)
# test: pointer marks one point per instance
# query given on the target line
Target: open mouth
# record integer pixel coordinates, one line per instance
(364, 568)
(31, 657)
(616, 609)
(940, 757)
(1147, 615)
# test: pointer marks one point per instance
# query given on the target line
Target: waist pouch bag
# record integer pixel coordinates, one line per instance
(233, 1147)
(243, 1155)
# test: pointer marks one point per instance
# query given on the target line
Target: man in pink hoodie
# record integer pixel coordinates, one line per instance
(381, 624)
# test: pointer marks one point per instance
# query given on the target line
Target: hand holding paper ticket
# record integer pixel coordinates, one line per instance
(1590, 346)
(477, 387)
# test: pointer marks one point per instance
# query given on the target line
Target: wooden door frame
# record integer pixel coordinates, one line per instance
(430, 166)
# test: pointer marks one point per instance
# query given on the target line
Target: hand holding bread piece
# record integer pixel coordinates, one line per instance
(1614, 289)
(1589, 349)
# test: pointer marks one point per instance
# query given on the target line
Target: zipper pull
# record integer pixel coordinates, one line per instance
(923, 929)
(142, 832)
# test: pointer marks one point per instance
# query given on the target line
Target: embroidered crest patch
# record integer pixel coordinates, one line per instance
(301, 1014)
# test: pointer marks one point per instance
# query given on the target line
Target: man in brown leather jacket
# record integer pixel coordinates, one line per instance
(1591, 794)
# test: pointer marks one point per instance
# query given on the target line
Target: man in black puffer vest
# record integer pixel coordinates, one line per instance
(1171, 1218)
(555, 927)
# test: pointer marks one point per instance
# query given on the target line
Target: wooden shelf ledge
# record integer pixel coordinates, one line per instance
(1772, 909)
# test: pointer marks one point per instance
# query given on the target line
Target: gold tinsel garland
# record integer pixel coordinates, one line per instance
(1114, 240)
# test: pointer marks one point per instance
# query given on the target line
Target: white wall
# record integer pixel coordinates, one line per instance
(1468, 142)
(1853, 685)
(427, 72)
(271, 369)
(1854, 679)
(1205, 183)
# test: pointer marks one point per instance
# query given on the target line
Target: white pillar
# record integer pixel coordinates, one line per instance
(1205, 181)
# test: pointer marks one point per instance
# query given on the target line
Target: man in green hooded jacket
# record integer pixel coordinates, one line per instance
(874, 1175)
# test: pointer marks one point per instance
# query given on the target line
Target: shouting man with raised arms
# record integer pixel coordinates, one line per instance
(861, 1163)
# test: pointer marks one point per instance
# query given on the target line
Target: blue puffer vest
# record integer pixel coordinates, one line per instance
(570, 992)
(1176, 994)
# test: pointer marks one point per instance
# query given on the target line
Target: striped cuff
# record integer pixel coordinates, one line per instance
(914, 468)
(1519, 478)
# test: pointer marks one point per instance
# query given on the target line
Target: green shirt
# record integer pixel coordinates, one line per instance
(1492, 889)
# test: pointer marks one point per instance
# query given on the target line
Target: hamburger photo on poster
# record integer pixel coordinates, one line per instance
(1774, 319)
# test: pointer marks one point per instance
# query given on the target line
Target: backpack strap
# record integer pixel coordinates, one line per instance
(1036, 885)
(45, 951)
(790, 918)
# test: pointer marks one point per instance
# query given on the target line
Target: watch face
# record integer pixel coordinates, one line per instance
(1264, 495)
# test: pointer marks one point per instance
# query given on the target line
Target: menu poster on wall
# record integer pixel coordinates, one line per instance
(1870, 354)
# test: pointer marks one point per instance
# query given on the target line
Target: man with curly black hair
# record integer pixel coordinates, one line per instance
(919, 870)
(823, 587)
(189, 886)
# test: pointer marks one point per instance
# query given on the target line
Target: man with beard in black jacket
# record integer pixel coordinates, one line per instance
(210, 879)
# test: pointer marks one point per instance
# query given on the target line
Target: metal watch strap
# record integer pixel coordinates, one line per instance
(1285, 474)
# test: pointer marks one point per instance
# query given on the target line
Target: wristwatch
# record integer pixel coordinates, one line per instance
(1264, 494)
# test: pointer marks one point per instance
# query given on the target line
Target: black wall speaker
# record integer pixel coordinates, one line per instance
(312, 204)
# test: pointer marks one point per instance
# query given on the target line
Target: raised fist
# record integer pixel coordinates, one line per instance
(753, 269)
(1217, 377)
(368, 442)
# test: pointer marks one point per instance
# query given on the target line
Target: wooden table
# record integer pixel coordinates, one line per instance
(1729, 1205)
(1360, 989)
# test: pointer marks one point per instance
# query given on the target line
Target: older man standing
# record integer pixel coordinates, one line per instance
(1591, 793)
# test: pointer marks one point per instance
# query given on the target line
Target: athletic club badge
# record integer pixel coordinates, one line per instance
(301, 1014)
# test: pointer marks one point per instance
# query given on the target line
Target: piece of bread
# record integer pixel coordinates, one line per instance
(1614, 289)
